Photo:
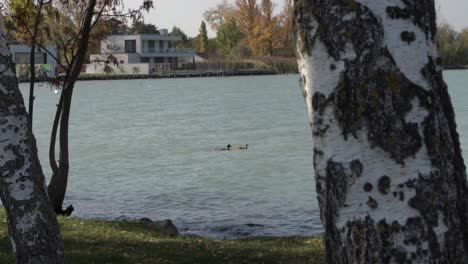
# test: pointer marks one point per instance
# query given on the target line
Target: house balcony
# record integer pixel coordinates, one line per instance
(172, 52)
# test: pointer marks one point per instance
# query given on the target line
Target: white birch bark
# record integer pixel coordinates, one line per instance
(391, 180)
(32, 224)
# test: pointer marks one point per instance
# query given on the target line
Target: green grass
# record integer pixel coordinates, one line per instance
(91, 241)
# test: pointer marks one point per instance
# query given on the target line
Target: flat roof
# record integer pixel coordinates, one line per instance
(147, 37)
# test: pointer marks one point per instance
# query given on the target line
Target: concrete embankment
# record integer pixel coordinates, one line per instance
(456, 67)
(175, 74)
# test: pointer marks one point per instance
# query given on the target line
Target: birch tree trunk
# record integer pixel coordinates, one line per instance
(390, 176)
(32, 224)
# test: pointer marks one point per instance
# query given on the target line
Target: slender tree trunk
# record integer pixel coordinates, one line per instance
(390, 176)
(53, 137)
(32, 224)
(33, 63)
(57, 202)
(59, 180)
(270, 48)
(32, 80)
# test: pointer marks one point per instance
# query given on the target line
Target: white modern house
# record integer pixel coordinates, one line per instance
(45, 62)
(149, 52)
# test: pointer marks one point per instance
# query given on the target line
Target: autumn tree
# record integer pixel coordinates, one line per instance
(462, 48)
(246, 17)
(285, 27)
(446, 37)
(453, 45)
(228, 37)
(390, 176)
(32, 224)
(26, 16)
(19, 13)
(265, 30)
(219, 15)
(203, 38)
(262, 32)
(73, 25)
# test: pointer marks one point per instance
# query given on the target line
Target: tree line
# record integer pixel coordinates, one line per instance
(453, 45)
(247, 28)
(251, 29)
(244, 29)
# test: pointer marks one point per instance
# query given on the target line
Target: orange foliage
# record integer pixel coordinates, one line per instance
(262, 31)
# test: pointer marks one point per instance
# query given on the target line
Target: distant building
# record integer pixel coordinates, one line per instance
(45, 62)
(149, 52)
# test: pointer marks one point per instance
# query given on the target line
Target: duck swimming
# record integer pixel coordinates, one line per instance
(228, 147)
(246, 147)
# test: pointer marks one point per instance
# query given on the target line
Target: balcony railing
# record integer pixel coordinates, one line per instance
(171, 50)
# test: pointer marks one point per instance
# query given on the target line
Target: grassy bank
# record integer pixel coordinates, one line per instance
(90, 241)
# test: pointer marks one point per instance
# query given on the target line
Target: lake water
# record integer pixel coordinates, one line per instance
(144, 148)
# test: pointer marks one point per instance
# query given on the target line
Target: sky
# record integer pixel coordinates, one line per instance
(187, 14)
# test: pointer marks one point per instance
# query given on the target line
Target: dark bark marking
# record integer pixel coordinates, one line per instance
(396, 226)
(368, 187)
(303, 83)
(423, 13)
(336, 177)
(422, 203)
(384, 184)
(372, 203)
(420, 12)
(318, 101)
(332, 197)
(382, 100)
(411, 183)
(408, 37)
(400, 256)
(416, 233)
(317, 154)
(356, 168)
(401, 196)
(396, 12)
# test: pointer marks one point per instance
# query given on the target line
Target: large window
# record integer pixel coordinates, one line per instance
(161, 46)
(151, 46)
(130, 46)
(145, 60)
(159, 60)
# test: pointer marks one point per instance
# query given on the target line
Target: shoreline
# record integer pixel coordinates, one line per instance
(120, 242)
(455, 67)
(191, 74)
(173, 75)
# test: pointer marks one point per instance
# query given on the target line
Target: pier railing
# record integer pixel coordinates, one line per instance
(169, 50)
